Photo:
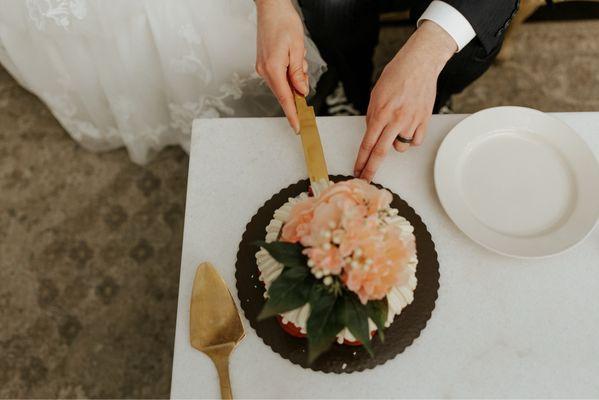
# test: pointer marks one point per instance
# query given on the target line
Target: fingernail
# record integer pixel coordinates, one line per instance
(306, 89)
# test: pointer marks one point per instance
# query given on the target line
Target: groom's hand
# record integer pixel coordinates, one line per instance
(402, 100)
(281, 53)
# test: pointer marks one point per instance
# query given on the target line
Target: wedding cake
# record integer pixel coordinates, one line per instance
(338, 266)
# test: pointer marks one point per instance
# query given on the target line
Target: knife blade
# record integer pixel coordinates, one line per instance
(313, 152)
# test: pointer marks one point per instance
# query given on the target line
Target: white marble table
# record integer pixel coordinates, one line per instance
(502, 327)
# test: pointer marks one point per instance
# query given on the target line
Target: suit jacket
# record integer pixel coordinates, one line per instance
(489, 18)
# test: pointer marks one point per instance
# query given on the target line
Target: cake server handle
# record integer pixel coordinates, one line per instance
(220, 358)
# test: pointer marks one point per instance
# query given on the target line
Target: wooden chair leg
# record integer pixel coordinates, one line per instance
(527, 8)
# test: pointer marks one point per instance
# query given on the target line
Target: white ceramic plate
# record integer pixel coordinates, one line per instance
(518, 181)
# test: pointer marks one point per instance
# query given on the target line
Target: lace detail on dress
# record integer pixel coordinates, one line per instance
(124, 108)
(191, 62)
(65, 110)
(182, 115)
(61, 12)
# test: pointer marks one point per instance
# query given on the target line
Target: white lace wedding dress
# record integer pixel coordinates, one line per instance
(135, 73)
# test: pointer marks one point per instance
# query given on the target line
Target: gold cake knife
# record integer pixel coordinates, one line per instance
(215, 324)
(313, 153)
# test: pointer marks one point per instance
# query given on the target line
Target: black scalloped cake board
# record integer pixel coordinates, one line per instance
(340, 358)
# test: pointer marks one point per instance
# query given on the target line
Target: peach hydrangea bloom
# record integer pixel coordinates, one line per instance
(328, 261)
(298, 224)
(379, 266)
(343, 234)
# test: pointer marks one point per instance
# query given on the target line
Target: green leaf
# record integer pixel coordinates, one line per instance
(354, 316)
(377, 311)
(290, 290)
(324, 323)
(288, 254)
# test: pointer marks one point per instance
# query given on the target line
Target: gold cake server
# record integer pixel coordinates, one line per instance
(313, 153)
(215, 323)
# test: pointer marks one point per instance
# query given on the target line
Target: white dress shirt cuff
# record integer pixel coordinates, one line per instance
(451, 20)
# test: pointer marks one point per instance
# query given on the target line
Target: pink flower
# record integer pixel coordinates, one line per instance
(357, 233)
(378, 200)
(326, 217)
(338, 189)
(343, 234)
(379, 267)
(328, 261)
(360, 192)
(298, 224)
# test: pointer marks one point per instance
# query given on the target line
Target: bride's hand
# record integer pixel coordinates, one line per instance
(402, 100)
(281, 53)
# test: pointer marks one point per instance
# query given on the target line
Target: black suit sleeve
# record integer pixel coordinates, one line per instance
(489, 18)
